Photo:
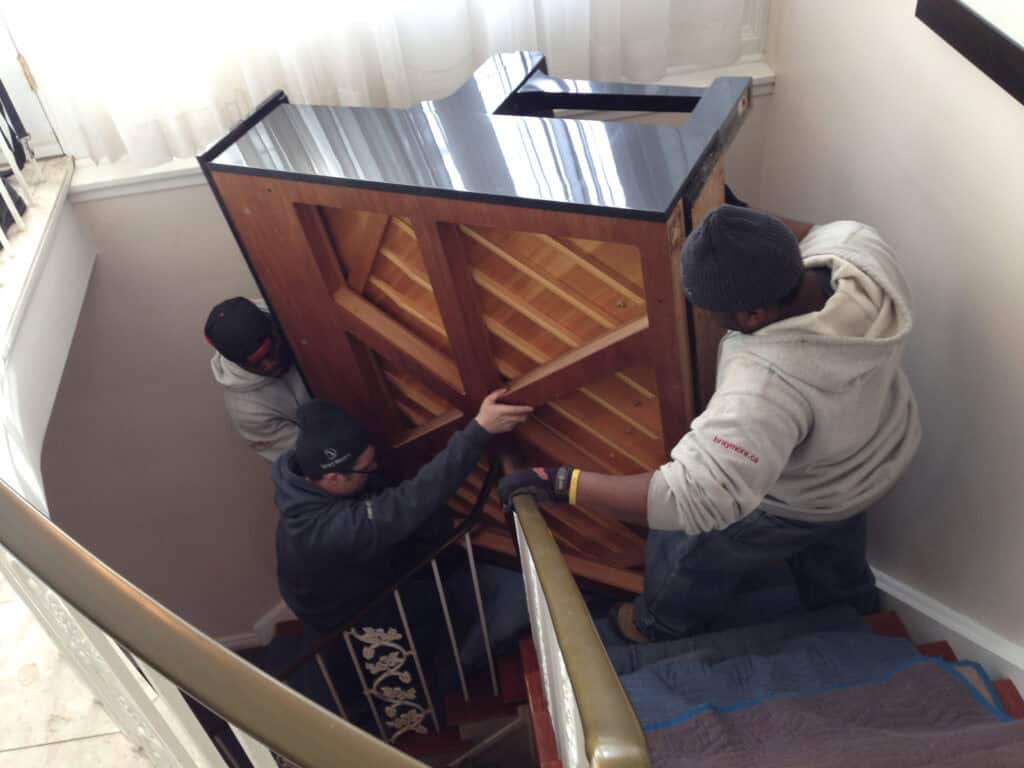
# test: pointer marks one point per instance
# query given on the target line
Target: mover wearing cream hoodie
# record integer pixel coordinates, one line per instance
(261, 408)
(812, 418)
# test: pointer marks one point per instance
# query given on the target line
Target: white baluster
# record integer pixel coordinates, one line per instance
(480, 611)
(416, 660)
(8, 200)
(26, 190)
(451, 629)
(330, 684)
(258, 755)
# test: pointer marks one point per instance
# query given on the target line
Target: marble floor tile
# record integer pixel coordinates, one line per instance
(41, 698)
(110, 751)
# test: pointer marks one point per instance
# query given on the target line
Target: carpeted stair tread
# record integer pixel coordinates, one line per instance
(290, 628)
(1010, 697)
(482, 704)
(887, 624)
(939, 650)
(543, 730)
(511, 681)
(427, 744)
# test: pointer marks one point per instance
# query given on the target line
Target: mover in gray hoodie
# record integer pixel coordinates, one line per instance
(812, 421)
(262, 387)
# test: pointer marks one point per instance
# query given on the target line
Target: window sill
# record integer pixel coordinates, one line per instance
(96, 182)
(759, 71)
(92, 182)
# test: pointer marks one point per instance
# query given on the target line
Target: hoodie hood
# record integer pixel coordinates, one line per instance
(295, 496)
(860, 328)
(234, 377)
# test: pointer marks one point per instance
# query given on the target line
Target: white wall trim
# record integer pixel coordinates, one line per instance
(240, 641)
(262, 631)
(757, 69)
(928, 620)
(265, 626)
(98, 182)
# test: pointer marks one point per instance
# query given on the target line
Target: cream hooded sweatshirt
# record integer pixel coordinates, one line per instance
(812, 418)
(262, 408)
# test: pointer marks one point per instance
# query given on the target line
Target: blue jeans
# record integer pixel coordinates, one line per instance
(689, 580)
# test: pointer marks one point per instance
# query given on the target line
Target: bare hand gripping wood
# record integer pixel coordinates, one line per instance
(418, 259)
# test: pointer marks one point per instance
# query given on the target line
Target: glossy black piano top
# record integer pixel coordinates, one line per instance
(489, 142)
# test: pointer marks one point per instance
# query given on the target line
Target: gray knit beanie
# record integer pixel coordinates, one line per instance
(739, 260)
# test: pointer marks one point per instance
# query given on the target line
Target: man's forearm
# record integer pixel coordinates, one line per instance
(623, 497)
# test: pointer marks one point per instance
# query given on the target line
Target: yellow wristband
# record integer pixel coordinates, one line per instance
(574, 482)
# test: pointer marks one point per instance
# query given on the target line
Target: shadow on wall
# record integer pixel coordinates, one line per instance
(140, 462)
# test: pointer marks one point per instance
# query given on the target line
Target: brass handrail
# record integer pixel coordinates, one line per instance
(612, 734)
(285, 721)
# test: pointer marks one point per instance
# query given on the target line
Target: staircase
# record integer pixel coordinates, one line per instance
(466, 725)
(470, 723)
(887, 624)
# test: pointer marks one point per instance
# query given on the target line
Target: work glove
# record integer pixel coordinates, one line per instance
(542, 483)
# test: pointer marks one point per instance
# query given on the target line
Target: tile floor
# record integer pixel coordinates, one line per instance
(48, 718)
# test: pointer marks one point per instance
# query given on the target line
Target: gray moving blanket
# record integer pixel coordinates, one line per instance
(812, 689)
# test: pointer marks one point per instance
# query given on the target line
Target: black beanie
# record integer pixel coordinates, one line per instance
(329, 439)
(739, 260)
(237, 329)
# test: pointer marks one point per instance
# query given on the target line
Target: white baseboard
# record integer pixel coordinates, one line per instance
(241, 641)
(262, 631)
(264, 628)
(927, 620)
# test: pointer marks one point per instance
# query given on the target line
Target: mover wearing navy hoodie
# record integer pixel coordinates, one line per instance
(347, 531)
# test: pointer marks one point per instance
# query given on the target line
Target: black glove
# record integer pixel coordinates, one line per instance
(543, 483)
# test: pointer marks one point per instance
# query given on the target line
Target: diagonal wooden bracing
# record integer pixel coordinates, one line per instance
(574, 370)
(393, 341)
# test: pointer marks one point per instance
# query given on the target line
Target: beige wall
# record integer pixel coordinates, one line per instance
(140, 462)
(875, 118)
(744, 158)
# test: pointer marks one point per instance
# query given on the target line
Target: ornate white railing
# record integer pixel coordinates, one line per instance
(593, 720)
(102, 623)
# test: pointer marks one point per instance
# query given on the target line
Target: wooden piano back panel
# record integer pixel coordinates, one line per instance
(407, 310)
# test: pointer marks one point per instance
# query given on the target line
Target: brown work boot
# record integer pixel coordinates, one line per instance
(622, 620)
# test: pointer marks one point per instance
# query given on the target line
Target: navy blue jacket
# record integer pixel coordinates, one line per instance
(336, 552)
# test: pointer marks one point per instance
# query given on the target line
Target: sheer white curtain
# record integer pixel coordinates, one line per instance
(153, 81)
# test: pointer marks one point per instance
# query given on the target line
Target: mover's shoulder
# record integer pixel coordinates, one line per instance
(839, 234)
